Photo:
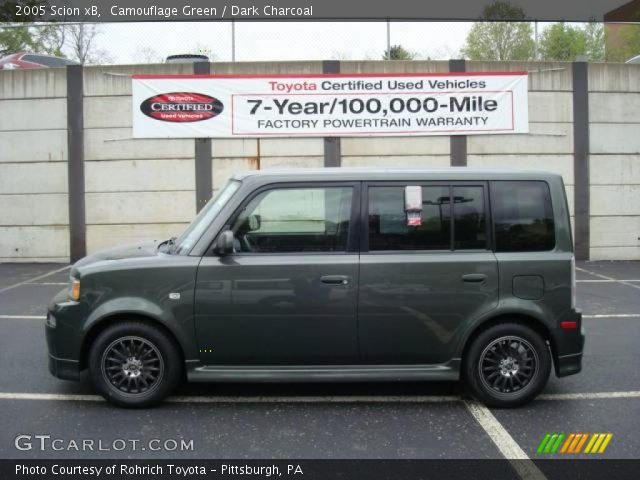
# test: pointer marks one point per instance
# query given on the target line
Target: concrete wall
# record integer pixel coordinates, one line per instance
(34, 223)
(614, 163)
(145, 189)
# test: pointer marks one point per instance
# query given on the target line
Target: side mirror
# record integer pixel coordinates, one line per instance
(255, 221)
(224, 244)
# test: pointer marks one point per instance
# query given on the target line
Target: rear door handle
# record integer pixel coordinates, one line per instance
(335, 279)
(474, 278)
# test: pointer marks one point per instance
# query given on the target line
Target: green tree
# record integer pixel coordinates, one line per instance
(595, 42)
(564, 42)
(16, 39)
(498, 38)
(398, 52)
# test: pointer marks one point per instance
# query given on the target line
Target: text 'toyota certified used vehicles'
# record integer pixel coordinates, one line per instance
(336, 275)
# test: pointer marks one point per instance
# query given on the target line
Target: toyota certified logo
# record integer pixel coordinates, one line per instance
(181, 107)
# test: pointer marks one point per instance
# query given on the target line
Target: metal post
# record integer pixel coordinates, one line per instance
(388, 39)
(233, 41)
(458, 143)
(75, 163)
(332, 146)
(582, 213)
(203, 160)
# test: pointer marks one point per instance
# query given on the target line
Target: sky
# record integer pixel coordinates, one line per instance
(256, 41)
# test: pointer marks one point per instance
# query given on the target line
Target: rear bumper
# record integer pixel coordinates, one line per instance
(569, 345)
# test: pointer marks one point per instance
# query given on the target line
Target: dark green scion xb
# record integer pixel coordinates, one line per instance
(336, 275)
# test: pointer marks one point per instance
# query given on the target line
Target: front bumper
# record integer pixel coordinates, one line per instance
(64, 337)
(569, 345)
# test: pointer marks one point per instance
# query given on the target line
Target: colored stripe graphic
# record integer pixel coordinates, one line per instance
(574, 443)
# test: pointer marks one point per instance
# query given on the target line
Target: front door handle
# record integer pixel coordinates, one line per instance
(474, 278)
(335, 279)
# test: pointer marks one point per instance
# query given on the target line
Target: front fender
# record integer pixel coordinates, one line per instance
(180, 328)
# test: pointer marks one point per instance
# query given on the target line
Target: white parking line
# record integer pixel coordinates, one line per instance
(588, 396)
(31, 280)
(46, 283)
(613, 315)
(609, 279)
(605, 281)
(23, 317)
(507, 446)
(319, 398)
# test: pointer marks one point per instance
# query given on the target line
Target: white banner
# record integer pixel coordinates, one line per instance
(222, 106)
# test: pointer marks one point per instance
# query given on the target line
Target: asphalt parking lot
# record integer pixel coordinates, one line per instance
(417, 420)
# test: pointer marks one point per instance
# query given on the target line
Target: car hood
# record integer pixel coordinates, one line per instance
(134, 250)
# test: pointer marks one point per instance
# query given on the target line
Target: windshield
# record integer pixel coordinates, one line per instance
(194, 231)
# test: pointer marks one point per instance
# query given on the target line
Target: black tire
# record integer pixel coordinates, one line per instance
(507, 365)
(134, 364)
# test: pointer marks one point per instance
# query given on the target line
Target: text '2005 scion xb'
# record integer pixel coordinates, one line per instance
(336, 275)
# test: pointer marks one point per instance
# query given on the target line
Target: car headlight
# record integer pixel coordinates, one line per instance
(74, 289)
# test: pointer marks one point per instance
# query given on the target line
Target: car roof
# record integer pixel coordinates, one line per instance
(399, 174)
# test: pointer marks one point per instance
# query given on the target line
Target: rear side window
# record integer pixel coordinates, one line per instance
(389, 229)
(523, 216)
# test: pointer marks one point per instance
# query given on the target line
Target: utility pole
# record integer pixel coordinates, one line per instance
(388, 39)
(233, 41)
(535, 40)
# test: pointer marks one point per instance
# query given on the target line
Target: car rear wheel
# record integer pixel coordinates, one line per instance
(134, 364)
(507, 365)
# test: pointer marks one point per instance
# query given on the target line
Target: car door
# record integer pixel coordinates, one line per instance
(420, 284)
(288, 293)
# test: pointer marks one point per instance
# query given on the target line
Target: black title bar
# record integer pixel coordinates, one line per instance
(306, 10)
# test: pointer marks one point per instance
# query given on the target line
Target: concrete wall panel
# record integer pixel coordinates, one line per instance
(543, 138)
(33, 146)
(34, 83)
(614, 77)
(117, 143)
(140, 207)
(49, 177)
(401, 161)
(396, 146)
(139, 175)
(614, 169)
(615, 231)
(44, 209)
(550, 107)
(108, 112)
(614, 138)
(35, 243)
(614, 107)
(615, 200)
(40, 114)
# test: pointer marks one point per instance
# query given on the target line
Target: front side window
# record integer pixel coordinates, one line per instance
(523, 216)
(290, 220)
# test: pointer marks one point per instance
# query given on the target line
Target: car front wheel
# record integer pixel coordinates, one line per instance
(507, 365)
(134, 364)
